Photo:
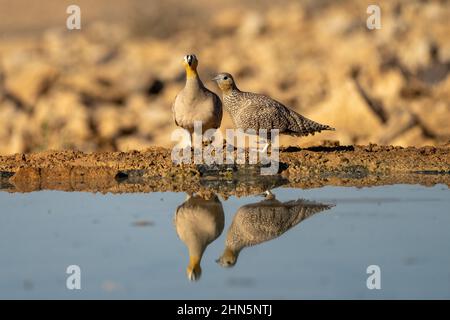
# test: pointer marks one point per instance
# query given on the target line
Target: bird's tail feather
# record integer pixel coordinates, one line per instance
(303, 209)
(302, 126)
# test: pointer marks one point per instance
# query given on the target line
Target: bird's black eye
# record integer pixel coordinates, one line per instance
(225, 78)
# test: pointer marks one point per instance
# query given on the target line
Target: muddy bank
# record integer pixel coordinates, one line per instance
(153, 170)
(109, 87)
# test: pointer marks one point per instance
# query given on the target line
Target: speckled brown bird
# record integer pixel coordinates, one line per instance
(256, 111)
(195, 102)
(264, 221)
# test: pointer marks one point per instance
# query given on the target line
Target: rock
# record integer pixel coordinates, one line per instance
(152, 117)
(60, 121)
(132, 143)
(399, 122)
(290, 17)
(95, 88)
(56, 178)
(226, 21)
(311, 85)
(434, 115)
(14, 129)
(253, 25)
(111, 121)
(388, 87)
(26, 179)
(411, 137)
(346, 111)
(105, 88)
(30, 81)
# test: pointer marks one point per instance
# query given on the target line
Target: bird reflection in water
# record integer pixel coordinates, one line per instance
(198, 222)
(263, 221)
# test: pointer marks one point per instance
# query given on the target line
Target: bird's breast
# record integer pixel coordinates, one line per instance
(190, 109)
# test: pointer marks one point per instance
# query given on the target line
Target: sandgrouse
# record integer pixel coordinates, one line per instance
(256, 111)
(263, 221)
(198, 222)
(195, 102)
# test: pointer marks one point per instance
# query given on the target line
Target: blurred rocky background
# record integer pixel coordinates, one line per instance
(110, 85)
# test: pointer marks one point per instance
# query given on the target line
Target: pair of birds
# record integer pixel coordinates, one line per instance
(247, 110)
(200, 221)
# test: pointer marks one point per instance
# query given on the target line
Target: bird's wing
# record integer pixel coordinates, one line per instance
(259, 222)
(262, 112)
(217, 106)
(266, 220)
(272, 114)
(217, 103)
(173, 110)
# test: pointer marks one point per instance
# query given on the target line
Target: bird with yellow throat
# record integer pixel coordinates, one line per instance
(195, 102)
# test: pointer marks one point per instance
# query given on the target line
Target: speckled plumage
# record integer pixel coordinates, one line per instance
(263, 221)
(195, 102)
(256, 111)
(259, 222)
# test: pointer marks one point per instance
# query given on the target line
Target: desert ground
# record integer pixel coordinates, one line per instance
(110, 85)
(101, 97)
(153, 170)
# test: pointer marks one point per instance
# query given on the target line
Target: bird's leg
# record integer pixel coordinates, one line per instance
(267, 142)
(187, 142)
(264, 149)
(266, 146)
(253, 142)
(197, 143)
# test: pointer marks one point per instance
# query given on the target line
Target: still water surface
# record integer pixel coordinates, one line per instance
(136, 245)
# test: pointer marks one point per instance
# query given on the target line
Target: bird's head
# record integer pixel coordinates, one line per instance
(224, 81)
(190, 63)
(194, 271)
(228, 258)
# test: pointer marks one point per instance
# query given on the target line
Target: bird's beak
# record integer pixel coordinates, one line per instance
(216, 78)
(218, 261)
(189, 59)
